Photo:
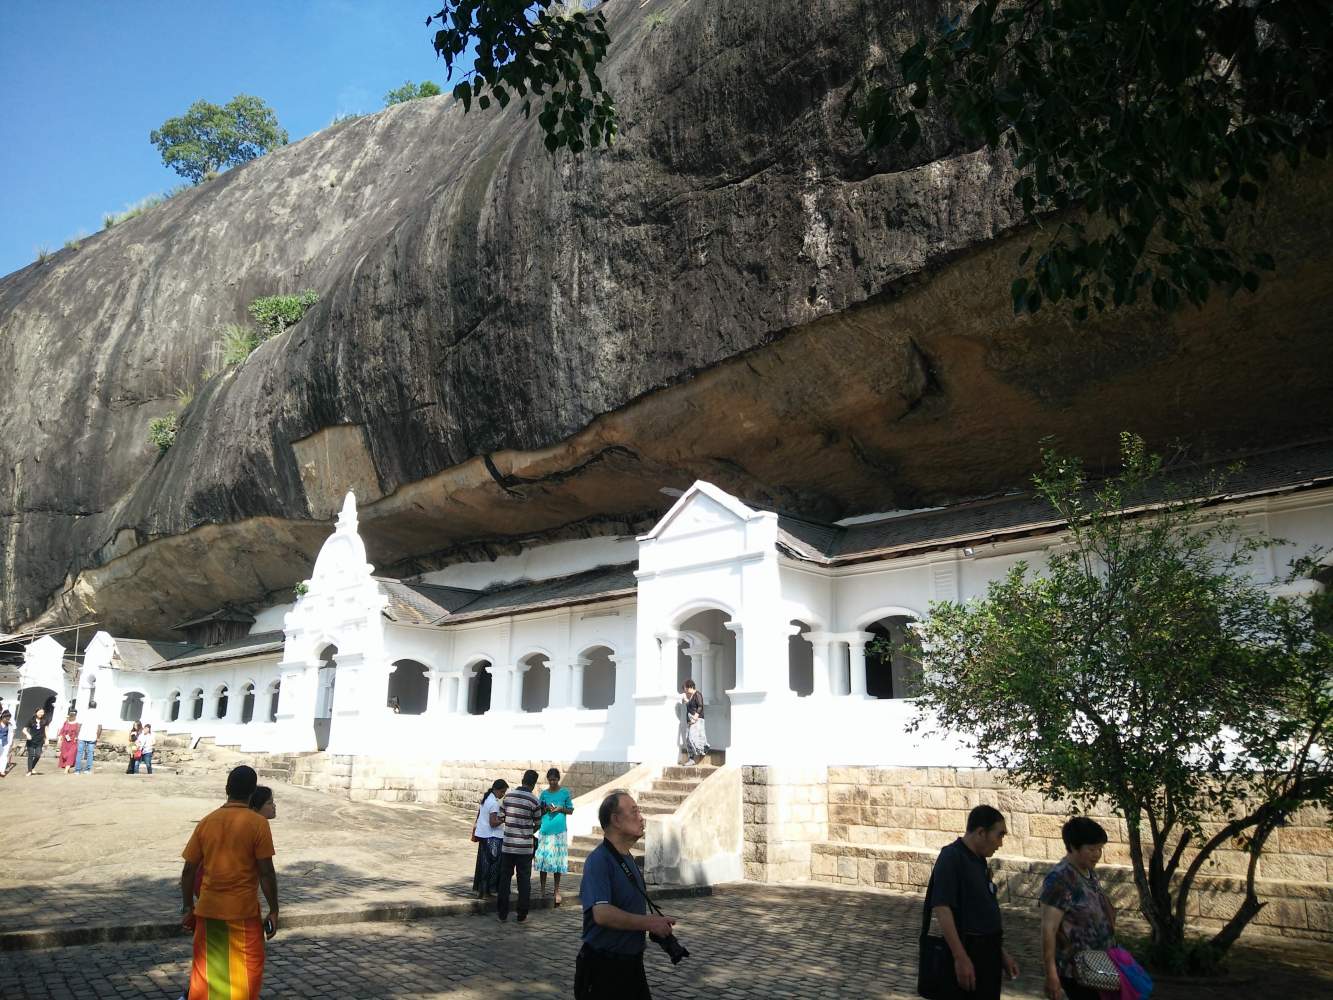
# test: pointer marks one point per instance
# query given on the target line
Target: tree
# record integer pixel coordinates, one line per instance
(410, 91)
(208, 139)
(530, 49)
(1144, 668)
(1143, 131)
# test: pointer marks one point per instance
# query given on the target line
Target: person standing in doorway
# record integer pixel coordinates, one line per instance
(68, 740)
(35, 735)
(235, 847)
(522, 812)
(488, 835)
(696, 739)
(553, 839)
(961, 898)
(89, 731)
(615, 910)
(147, 742)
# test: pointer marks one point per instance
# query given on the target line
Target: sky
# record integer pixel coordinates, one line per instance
(83, 83)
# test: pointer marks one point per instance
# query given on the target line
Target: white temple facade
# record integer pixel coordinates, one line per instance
(576, 651)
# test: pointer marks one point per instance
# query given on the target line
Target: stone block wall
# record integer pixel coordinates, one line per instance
(885, 826)
(457, 783)
(784, 814)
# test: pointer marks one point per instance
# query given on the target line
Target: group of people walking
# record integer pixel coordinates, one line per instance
(76, 743)
(516, 828)
(966, 957)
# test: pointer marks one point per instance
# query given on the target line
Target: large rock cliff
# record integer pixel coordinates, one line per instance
(509, 346)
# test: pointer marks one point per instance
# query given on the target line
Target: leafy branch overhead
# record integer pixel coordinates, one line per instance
(1143, 131)
(527, 50)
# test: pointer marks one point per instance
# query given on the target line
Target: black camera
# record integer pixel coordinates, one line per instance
(672, 946)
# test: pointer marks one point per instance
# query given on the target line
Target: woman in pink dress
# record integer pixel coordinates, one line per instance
(69, 743)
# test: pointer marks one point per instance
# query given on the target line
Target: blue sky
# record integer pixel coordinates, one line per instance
(83, 83)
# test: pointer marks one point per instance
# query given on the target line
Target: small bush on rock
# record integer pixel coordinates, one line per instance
(238, 343)
(275, 313)
(162, 431)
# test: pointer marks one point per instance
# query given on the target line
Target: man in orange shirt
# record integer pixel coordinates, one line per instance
(235, 848)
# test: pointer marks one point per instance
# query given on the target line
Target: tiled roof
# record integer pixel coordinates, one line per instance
(250, 645)
(1281, 471)
(420, 603)
(602, 583)
(224, 614)
(146, 654)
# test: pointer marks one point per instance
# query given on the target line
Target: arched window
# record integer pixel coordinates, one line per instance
(409, 685)
(197, 704)
(599, 678)
(479, 689)
(174, 707)
(893, 659)
(800, 661)
(274, 692)
(536, 694)
(220, 711)
(247, 703)
(92, 692)
(131, 707)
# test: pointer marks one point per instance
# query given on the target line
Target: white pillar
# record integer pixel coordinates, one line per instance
(821, 665)
(576, 686)
(460, 700)
(856, 649)
(665, 681)
(562, 679)
(710, 684)
(434, 699)
(699, 662)
(739, 631)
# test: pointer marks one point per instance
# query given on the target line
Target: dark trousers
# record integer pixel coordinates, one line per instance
(600, 975)
(987, 954)
(34, 755)
(1076, 992)
(509, 864)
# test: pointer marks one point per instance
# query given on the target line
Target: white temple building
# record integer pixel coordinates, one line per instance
(577, 650)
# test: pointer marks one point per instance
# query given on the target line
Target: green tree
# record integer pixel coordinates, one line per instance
(1143, 667)
(410, 91)
(208, 139)
(529, 49)
(1143, 131)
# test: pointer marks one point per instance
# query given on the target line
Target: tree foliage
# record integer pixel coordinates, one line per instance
(209, 138)
(527, 50)
(1144, 667)
(410, 91)
(1143, 131)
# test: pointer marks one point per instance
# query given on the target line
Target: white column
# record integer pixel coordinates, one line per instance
(506, 685)
(562, 676)
(822, 667)
(856, 649)
(665, 681)
(434, 696)
(739, 631)
(710, 684)
(460, 701)
(576, 686)
(699, 659)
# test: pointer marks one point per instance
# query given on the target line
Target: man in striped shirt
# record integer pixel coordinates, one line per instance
(522, 813)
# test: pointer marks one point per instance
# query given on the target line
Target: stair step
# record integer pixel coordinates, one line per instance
(695, 774)
(656, 798)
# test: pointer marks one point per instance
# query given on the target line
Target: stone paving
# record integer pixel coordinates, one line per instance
(747, 943)
(88, 850)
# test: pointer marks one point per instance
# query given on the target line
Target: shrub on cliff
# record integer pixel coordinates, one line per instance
(162, 431)
(412, 92)
(209, 138)
(275, 313)
(1145, 668)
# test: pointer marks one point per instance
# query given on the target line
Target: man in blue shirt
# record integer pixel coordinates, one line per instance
(615, 910)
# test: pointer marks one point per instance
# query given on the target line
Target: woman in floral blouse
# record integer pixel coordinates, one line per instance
(1075, 913)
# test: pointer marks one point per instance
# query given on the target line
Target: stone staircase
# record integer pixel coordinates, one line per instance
(663, 798)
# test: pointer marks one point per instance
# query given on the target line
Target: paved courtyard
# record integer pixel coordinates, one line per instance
(104, 849)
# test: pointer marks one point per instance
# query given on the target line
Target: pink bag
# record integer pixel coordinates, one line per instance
(1135, 984)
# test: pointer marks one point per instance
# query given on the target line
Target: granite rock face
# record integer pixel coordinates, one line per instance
(510, 347)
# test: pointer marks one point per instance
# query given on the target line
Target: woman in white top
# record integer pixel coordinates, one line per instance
(488, 834)
(146, 744)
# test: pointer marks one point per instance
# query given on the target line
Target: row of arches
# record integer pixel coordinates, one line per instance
(195, 705)
(892, 660)
(593, 683)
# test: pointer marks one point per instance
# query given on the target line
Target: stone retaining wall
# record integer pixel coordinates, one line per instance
(459, 783)
(886, 825)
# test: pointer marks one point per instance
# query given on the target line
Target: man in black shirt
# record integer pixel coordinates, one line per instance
(962, 898)
(35, 733)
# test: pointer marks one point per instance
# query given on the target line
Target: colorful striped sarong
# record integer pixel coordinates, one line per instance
(228, 959)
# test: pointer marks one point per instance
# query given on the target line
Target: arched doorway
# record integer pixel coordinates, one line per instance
(893, 658)
(324, 685)
(174, 707)
(409, 688)
(197, 704)
(31, 699)
(247, 703)
(221, 701)
(274, 693)
(479, 689)
(131, 707)
(800, 661)
(707, 655)
(599, 678)
(535, 693)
